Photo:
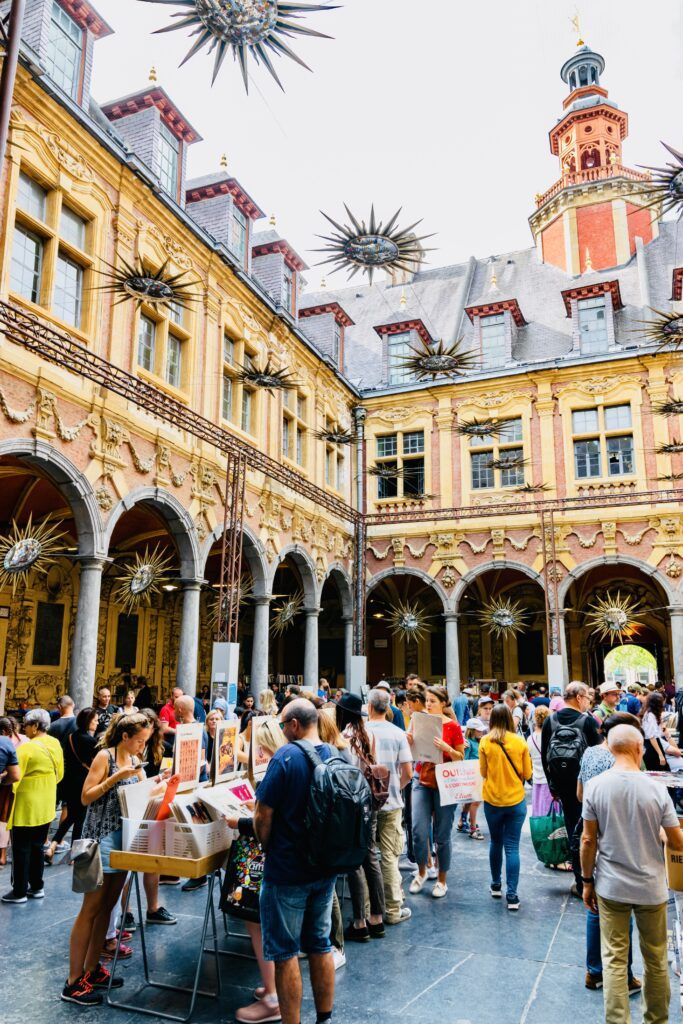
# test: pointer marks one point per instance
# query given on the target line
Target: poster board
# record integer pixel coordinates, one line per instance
(459, 782)
(229, 798)
(219, 691)
(425, 729)
(225, 751)
(188, 755)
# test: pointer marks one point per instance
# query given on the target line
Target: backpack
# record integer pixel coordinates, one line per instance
(565, 749)
(337, 825)
(377, 777)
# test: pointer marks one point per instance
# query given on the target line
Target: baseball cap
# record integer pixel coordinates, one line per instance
(383, 685)
(486, 700)
(469, 691)
(475, 723)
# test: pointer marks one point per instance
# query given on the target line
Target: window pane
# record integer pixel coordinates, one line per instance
(584, 421)
(288, 290)
(512, 431)
(167, 163)
(387, 445)
(47, 643)
(228, 351)
(328, 466)
(301, 407)
(398, 347)
(176, 313)
(387, 488)
(27, 261)
(227, 397)
(238, 236)
(32, 197)
(246, 411)
(72, 228)
(414, 443)
(285, 437)
(482, 474)
(336, 343)
(617, 417)
(493, 340)
(487, 441)
(620, 455)
(300, 446)
(592, 324)
(63, 55)
(147, 332)
(68, 290)
(514, 476)
(414, 476)
(173, 361)
(587, 458)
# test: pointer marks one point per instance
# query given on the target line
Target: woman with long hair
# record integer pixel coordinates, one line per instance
(244, 738)
(349, 715)
(210, 725)
(541, 797)
(329, 733)
(505, 765)
(9, 728)
(128, 705)
(660, 752)
(80, 748)
(247, 859)
(267, 702)
(118, 763)
(426, 801)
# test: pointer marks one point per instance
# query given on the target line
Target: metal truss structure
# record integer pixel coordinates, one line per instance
(228, 619)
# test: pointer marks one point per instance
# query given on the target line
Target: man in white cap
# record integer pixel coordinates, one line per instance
(396, 713)
(610, 694)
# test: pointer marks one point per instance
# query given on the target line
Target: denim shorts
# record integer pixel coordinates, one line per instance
(108, 843)
(296, 918)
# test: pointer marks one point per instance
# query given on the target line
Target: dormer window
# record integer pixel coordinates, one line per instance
(288, 290)
(398, 348)
(64, 54)
(591, 315)
(238, 236)
(493, 340)
(168, 160)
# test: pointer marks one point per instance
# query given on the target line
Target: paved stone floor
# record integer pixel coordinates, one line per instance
(461, 960)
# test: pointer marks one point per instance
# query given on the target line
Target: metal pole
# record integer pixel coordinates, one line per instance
(360, 536)
(548, 625)
(9, 71)
(553, 549)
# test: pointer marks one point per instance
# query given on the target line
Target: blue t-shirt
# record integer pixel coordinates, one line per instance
(199, 710)
(285, 789)
(397, 715)
(539, 702)
(461, 707)
(8, 755)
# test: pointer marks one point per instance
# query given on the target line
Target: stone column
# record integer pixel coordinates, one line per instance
(452, 654)
(260, 645)
(676, 619)
(348, 649)
(84, 650)
(565, 652)
(311, 649)
(188, 646)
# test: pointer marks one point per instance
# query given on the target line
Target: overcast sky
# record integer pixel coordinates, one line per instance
(441, 106)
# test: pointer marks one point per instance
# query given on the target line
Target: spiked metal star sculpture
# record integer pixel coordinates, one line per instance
(408, 621)
(256, 27)
(503, 617)
(673, 407)
(664, 331)
(612, 617)
(439, 360)
(481, 428)
(134, 281)
(372, 246)
(666, 186)
(266, 377)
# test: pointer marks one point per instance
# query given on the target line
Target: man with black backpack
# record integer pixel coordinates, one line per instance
(313, 819)
(565, 736)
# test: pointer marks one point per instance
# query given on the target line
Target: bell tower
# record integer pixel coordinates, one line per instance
(590, 218)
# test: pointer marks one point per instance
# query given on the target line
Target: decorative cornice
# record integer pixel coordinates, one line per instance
(497, 306)
(292, 258)
(405, 325)
(159, 98)
(587, 114)
(85, 15)
(229, 186)
(585, 291)
(340, 315)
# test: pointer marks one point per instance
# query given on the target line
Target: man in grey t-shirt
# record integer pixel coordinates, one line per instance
(392, 751)
(623, 813)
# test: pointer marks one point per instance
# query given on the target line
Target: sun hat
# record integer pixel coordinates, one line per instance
(352, 704)
(475, 723)
(609, 688)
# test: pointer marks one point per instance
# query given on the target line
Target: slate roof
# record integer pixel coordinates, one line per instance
(439, 296)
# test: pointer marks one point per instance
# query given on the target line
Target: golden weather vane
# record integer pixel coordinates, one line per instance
(576, 22)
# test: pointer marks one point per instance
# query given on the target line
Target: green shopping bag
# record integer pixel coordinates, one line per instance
(549, 836)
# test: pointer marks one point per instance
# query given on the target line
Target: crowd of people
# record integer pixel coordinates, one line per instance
(579, 750)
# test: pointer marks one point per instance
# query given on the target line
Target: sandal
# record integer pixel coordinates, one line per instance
(49, 854)
(476, 833)
(109, 949)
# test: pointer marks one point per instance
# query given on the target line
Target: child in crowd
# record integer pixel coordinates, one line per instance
(474, 730)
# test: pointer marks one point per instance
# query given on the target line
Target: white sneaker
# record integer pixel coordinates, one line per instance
(404, 915)
(439, 890)
(432, 873)
(339, 958)
(417, 883)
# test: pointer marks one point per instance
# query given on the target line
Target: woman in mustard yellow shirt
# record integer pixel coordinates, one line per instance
(505, 765)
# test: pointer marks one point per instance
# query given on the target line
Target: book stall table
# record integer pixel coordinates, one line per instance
(146, 863)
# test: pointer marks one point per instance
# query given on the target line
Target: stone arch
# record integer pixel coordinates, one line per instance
(75, 487)
(464, 582)
(595, 563)
(178, 519)
(253, 552)
(306, 566)
(338, 573)
(410, 571)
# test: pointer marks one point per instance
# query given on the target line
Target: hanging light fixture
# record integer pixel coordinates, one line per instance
(613, 617)
(439, 360)
(285, 614)
(143, 578)
(266, 377)
(28, 548)
(503, 617)
(134, 281)
(408, 621)
(372, 246)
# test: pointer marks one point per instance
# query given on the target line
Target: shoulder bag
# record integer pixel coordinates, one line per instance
(511, 762)
(86, 860)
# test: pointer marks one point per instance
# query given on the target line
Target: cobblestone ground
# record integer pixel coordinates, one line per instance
(461, 960)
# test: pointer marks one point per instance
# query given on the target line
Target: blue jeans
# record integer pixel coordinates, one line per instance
(505, 827)
(296, 917)
(593, 952)
(426, 802)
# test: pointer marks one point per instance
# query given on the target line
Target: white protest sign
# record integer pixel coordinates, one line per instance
(425, 729)
(459, 782)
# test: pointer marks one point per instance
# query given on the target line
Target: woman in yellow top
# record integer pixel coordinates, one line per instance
(505, 766)
(41, 767)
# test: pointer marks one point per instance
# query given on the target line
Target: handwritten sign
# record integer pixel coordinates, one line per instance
(459, 782)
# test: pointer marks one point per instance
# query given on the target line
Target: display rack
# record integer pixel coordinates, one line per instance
(146, 863)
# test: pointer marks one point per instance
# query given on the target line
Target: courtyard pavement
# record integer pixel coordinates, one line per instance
(461, 960)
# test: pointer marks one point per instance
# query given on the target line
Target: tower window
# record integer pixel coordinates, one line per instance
(583, 75)
(592, 320)
(64, 51)
(493, 340)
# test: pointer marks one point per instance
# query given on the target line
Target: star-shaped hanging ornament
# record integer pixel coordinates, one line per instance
(372, 246)
(666, 187)
(438, 360)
